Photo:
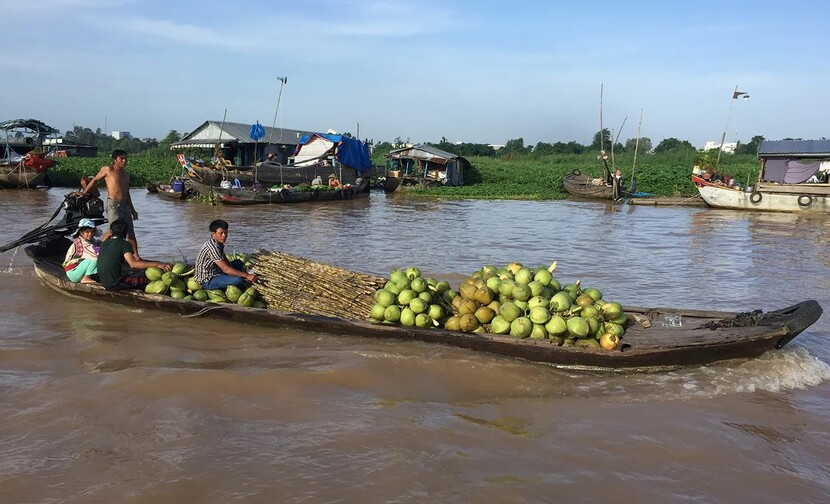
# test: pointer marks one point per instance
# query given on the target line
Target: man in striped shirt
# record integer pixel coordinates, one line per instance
(213, 270)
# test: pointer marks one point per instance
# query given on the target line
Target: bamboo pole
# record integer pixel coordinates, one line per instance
(632, 185)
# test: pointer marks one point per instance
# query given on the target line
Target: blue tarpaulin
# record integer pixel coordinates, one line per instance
(349, 151)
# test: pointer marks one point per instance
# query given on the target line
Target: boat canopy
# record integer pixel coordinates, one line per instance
(780, 159)
(348, 151)
(32, 124)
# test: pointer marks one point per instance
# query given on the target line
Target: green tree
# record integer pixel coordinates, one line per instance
(171, 137)
(601, 139)
(644, 146)
(672, 144)
(751, 147)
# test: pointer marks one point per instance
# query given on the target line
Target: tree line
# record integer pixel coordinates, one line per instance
(514, 147)
(602, 141)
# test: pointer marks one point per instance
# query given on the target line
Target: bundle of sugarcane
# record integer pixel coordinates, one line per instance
(295, 284)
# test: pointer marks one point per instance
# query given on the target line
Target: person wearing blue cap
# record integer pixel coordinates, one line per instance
(81, 261)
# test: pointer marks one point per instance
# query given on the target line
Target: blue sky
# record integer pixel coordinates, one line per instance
(475, 71)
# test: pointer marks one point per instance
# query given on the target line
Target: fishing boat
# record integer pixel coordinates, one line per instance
(303, 193)
(584, 186)
(22, 162)
(793, 178)
(655, 338)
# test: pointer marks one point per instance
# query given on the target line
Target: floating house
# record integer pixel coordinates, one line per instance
(236, 144)
(426, 163)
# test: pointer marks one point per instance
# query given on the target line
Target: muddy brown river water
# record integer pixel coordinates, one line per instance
(104, 404)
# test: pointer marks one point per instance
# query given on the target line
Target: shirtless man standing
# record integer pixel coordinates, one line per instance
(119, 204)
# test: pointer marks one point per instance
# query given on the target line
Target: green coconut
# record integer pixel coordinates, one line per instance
(538, 332)
(423, 320)
(536, 288)
(493, 283)
(412, 272)
(556, 326)
(510, 312)
(200, 295)
(392, 313)
(179, 268)
(385, 297)
(153, 273)
(521, 292)
(442, 286)
(418, 305)
(377, 312)
(521, 327)
(407, 317)
(506, 287)
(499, 325)
(523, 276)
(193, 285)
(426, 296)
(577, 327)
(543, 276)
(560, 302)
(232, 292)
(539, 315)
(406, 296)
(418, 284)
(436, 311)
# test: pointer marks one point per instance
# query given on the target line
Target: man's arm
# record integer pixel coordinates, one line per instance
(130, 203)
(102, 173)
(230, 270)
(142, 264)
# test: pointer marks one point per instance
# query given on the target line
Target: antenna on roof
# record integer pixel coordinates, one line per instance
(282, 80)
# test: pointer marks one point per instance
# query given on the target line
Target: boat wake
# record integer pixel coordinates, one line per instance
(789, 369)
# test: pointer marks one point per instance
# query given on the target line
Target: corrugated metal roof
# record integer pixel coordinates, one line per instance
(426, 149)
(239, 132)
(804, 148)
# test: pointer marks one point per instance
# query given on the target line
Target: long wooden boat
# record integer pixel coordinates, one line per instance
(792, 178)
(656, 338)
(18, 176)
(248, 196)
(273, 174)
(584, 186)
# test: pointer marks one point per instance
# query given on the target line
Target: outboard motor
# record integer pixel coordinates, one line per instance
(77, 207)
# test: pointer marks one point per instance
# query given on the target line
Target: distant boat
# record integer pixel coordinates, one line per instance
(793, 178)
(22, 164)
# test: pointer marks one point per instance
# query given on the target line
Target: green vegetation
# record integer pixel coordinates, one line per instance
(529, 177)
(142, 167)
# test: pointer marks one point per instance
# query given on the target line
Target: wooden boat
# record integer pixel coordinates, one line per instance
(585, 186)
(18, 176)
(783, 184)
(22, 165)
(249, 196)
(656, 338)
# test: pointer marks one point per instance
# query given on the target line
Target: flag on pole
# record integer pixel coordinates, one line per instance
(738, 94)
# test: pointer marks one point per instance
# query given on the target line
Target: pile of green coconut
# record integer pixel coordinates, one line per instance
(179, 283)
(514, 301)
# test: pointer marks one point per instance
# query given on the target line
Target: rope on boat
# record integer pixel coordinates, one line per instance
(202, 311)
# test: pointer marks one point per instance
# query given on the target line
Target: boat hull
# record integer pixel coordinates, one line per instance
(801, 198)
(584, 186)
(19, 177)
(649, 343)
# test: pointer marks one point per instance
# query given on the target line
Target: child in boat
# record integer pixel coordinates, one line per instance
(117, 252)
(213, 270)
(93, 191)
(81, 261)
